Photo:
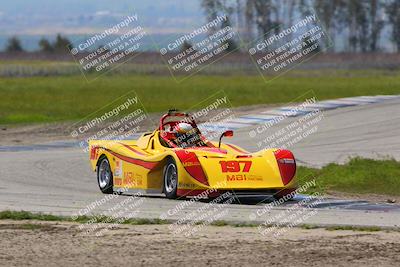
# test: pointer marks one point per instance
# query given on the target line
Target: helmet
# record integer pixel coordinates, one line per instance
(183, 127)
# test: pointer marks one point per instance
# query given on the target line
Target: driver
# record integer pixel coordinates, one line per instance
(186, 135)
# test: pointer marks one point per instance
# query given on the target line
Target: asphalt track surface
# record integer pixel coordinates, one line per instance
(56, 178)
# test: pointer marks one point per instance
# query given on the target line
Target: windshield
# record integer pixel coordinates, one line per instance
(190, 138)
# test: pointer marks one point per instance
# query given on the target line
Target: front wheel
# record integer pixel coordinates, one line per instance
(170, 179)
(105, 176)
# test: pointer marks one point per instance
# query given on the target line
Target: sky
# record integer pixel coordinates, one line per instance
(45, 17)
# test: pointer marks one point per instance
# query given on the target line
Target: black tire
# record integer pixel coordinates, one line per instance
(277, 198)
(281, 195)
(170, 177)
(104, 176)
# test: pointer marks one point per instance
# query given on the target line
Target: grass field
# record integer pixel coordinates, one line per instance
(58, 98)
(359, 175)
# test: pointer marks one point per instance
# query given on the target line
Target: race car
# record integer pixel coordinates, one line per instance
(177, 160)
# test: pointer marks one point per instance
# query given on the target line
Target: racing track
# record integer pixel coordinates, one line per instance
(56, 178)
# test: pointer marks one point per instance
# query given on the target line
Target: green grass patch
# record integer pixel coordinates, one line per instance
(60, 98)
(143, 221)
(359, 175)
(219, 223)
(26, 215)
(354, 228)
(309, 226)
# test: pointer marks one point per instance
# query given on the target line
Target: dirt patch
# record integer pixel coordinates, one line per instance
(155, 245)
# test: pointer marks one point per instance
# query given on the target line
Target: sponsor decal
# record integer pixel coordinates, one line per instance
(190, 163)
(243, 177)
(254, 177)
(118, 168)
(236, 177)
(117, 181)
(187, 185)
(133, 179)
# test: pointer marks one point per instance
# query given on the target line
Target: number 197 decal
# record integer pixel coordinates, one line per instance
(235, 166)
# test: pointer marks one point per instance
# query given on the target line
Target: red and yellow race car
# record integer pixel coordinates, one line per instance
(178, 161)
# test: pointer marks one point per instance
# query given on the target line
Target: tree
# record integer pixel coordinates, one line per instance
(357, 23)
(376, 22)
(61, 44)
(232, 46)
(213, 8)
(45, 45)
(353, 10)
(239, 15)
(263, 10)
(393, 10)
(330, 14)
(365, 22)
(14, 45)
(186, 45)
(249, 20)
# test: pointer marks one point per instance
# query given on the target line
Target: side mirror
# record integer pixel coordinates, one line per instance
(226, 134)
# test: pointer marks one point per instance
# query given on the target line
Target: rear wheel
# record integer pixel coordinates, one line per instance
(105, 176)
(170, 179)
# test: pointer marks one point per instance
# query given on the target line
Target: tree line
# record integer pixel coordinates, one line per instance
(353, 25)
(60, 45)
